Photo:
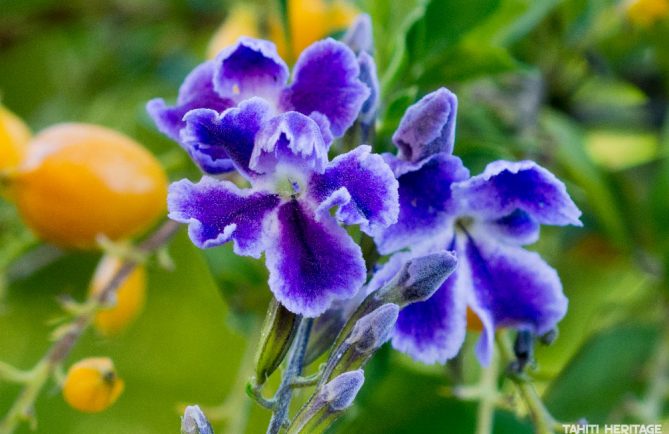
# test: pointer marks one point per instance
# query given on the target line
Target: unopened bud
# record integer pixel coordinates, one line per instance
(374, 329)
(418, 279)
(339, 393)
(277, 335)
(195, 422)
(368, 334)
(328, 403)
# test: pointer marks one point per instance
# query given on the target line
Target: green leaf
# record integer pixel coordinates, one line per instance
(411, 403)
(570, 151)
(596, 381)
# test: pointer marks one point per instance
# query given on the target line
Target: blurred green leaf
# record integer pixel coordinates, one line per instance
(409, 403)
(608, 367)
(569, 149)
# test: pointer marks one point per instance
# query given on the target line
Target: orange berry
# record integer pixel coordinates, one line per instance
(91, 385)
(645, 13)
(129, 299)
(473, 321)
(78, 181)
(312, 20)
(14, 136)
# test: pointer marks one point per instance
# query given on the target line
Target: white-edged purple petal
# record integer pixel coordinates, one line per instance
(428, 126)
(326, 81)
(218, 211)
(363, 187)
(512, 287)
(426, 207)
(369, 77)
(433, 331)
(215, 140)
(516, 228)
(197, 91)
(311, 262)
(359, 36)
(291, 139)
(249, 68)
(505, 187)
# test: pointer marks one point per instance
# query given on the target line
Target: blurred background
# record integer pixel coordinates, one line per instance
(579, 86)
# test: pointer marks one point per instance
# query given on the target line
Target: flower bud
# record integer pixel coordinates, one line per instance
(195, 422)
(328, 403)
(277, 335)
(359, 36)
(91, 385)
(418, 279)
(368, 334)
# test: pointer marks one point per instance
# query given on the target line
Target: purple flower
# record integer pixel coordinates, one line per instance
(246, 88)
(485, 219)
(286, 212)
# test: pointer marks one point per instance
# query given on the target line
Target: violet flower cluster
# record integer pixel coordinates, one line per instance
(485, 219)
(238, 112)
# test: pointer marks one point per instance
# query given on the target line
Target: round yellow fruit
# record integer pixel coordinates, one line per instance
(128, 302)
(92, 385)
(14, 136)
(79, 181)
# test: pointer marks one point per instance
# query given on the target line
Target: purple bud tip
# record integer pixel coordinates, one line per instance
(195, 422)
(419, 278)
(374, 329)
(340, 392)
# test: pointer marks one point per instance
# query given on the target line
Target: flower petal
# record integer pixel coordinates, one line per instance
(369, 77)
(326, 81)
(512, 287)
(197, 91)
(362, 185)
(433, 330)
(507, 186)
(311, 263)
(428, 126)
(516, 228)
(215, 140)
(359, 36)
(250, 68)
(292, 139)
(426, 207)
(217, 212)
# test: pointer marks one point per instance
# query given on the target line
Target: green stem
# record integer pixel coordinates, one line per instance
(488, 397)
(11, 374)
(22, 409)
(544, 422)
(294, 368)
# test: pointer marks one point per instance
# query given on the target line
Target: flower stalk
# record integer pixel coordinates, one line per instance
(542, 419)
(284, 394)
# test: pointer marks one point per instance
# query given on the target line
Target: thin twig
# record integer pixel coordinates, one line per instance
(544, 422)
(488, 397)
(23, 406)
(285, 392)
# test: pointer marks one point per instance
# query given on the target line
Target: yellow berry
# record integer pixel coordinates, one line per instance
(14, 136)
(78, 181)
(129, 299)
(647, 12)
(312, 20)
(92, 385)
